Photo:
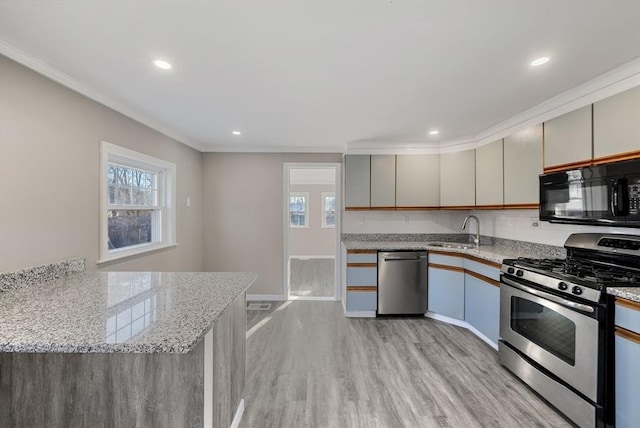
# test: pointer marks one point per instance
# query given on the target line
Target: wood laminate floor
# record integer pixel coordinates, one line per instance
(309, 366)
(312, 277)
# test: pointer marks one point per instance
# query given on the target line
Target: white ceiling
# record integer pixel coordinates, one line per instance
(321, 75)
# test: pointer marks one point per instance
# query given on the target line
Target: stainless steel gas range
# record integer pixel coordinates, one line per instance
(556, 323)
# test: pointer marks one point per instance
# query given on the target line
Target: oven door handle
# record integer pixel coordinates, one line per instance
(556, 299)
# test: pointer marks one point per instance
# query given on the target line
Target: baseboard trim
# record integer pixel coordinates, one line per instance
(266, 297)
(360, 314)
(463, 324)
(235, 423)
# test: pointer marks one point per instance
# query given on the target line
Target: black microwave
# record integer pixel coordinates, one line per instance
(605, 195)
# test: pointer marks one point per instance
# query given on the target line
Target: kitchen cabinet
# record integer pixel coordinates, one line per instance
(417, 181)
(457, 179)
(627, 369)
(616, 125)
(362, 280)
(357, 184)
(522, 166)
(490, 175)
(482, 305)
(567, 140)
(446, 285)
(383, 181)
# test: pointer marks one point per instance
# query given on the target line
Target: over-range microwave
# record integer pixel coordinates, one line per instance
(605, 195)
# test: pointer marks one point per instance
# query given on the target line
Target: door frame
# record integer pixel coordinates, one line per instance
(287, 167)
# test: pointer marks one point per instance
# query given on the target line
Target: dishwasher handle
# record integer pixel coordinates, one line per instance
(404, 259)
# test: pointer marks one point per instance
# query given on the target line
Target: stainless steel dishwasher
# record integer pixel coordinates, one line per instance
(402, 282)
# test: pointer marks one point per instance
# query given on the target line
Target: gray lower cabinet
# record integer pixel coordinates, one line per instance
(383, 181)
(201, 388)
(457, 179)
(522, 166)
(490, 174)
(446, 286)
(357, 181)
(616, 124)
(362, 280)
(482, 306)
(567, 138)
(627, 376)
(417, 181)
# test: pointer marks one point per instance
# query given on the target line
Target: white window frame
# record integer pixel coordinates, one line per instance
(324, 213)
(165, 228)
(306, 209)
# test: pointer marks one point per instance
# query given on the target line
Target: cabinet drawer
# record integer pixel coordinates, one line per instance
(628, 315)
(439, 259)
(362, 301)
(483, 269)
(362, 276)
(362, 257)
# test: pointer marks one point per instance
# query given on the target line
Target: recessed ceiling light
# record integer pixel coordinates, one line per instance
(434, 132)
(540, 61)
(236, 132)
(162, 64)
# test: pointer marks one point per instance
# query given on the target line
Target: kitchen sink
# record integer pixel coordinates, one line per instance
(459, 246)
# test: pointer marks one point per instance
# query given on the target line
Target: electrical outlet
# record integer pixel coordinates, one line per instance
(405, 219)
(360, 219)
(534, 222)
(188, 201)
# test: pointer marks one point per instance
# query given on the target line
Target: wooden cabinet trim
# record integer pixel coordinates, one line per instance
(617, 157)
(362, 288)
(445, 253)
(457, 207)
(404, 208)
(521, 206)
(627, 304)
(357, 208)
(362, 251)
(482, 278)
(489, 207)
(626, 334)
(568, 166)
(362, 265)
(446, 267)
(466, 256)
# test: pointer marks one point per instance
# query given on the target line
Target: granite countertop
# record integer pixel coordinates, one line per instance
(490, 253)
(129, 312)
(629, 293)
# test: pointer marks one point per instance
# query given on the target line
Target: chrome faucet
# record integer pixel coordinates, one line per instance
(464, 225)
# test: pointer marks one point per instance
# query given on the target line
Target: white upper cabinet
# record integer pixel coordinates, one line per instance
(616, 124)
(417, 181)
(522, 166)
(490, 174)
(383, 181)
(457, 179)
(357, 181)
(567, 139)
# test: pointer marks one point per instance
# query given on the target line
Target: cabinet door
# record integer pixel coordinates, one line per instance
(482, 306)
(567, 139)
(616, 124)
(522, 166)
(489, 174)
(357, 176)
(446, 291)
(417, 181)
(383, 181)
(627, 379)
(457, 179)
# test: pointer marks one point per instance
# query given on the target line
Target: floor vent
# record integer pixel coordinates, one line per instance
(259, 306)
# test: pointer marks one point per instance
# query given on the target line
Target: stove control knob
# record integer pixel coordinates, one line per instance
(576, 290)
(562, 286)
(510, 270)
(519, 272)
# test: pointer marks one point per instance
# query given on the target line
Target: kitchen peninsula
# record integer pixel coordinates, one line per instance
(124, 349)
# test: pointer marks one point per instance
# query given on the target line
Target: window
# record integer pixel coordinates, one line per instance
(328, 209)
(299, 209)
(137, 203)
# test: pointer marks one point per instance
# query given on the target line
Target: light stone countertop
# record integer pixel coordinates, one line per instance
(490, 253)
(129, 312)
(629, 293)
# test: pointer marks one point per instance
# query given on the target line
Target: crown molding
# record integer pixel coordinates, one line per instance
(610, 83)
(231, 148)
(10, 51)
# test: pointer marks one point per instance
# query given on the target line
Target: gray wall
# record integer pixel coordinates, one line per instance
(49, 176)
(314, 240)
(243, 214)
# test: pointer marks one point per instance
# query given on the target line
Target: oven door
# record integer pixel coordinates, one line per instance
(559, 335)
